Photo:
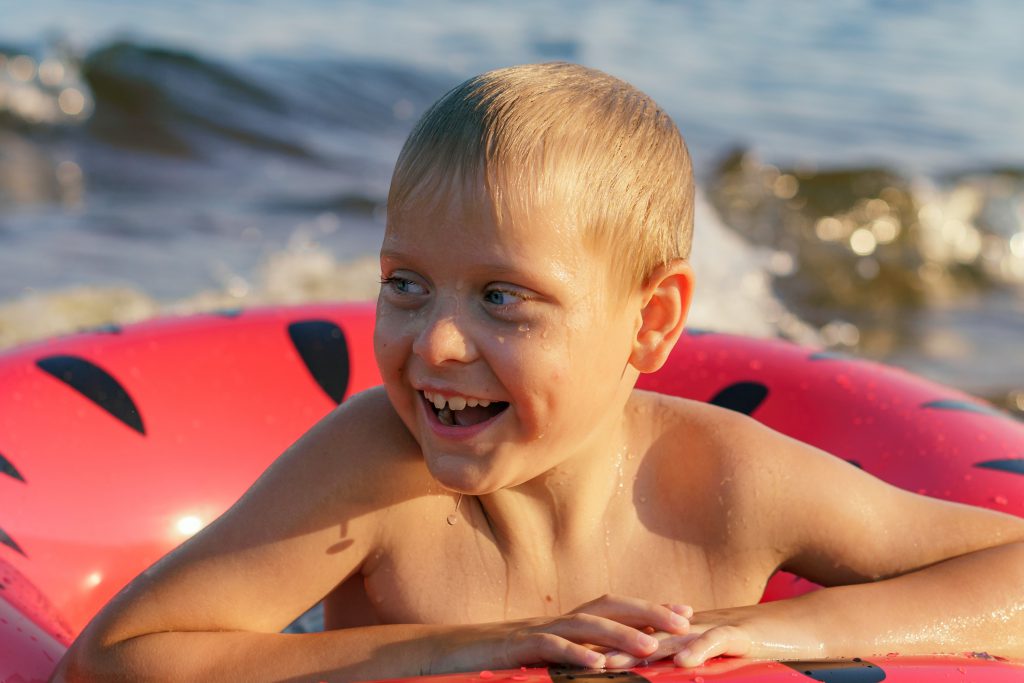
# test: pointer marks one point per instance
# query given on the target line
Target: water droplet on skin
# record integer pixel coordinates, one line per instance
(451, 519)
(643, 499)
(524, 328)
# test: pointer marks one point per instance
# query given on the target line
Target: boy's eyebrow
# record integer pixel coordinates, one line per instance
(396, 255)
(495, 268)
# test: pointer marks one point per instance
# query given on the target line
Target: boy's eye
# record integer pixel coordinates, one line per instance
(502, 297)
(403, 285)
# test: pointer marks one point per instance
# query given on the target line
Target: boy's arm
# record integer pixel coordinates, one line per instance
(302, 528)
(934, 576)
(971, 603)
(379, 652)
(909, 574)
(213, 608)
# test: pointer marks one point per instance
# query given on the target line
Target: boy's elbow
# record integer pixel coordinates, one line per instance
(74, 667)
(87, 661)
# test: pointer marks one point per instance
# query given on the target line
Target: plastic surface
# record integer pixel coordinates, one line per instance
(965, 669)
(117, 444)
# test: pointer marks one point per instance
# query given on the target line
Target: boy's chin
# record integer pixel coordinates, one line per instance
(465, 475)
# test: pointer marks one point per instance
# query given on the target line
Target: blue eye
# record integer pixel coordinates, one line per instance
(502, 297)
(403, 285)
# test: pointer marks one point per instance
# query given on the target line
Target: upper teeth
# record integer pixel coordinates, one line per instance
(454, 402)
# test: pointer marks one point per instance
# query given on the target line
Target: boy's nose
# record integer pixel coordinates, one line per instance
(444, 339)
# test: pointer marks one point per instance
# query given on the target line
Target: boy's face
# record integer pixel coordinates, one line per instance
(520, 320)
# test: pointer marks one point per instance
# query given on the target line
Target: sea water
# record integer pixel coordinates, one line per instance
(861, 164)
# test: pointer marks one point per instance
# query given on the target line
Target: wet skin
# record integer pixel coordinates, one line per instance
(574, 486)
(582, 486)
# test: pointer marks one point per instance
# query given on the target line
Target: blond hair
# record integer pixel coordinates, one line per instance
(564, 137)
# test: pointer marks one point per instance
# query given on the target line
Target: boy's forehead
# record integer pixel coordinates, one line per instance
(468, 209)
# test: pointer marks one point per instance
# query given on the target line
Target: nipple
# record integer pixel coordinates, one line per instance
(452, 518)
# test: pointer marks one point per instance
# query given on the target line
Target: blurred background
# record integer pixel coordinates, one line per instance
(860, 164)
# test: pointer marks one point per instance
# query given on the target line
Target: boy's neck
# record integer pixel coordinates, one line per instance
(569, 505)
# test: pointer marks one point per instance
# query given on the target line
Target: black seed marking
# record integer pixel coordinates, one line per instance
(697, 331)
(8, 468)
(97, 385)
(954, 404)
(743, 397)
(228, 312)
(860, 467)
(9, 542)
(829, 355)
(1014, 465)
(856, 671)
(323, 349)
(562, 674)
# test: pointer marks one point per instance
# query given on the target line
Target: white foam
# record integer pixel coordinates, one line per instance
(734, 284)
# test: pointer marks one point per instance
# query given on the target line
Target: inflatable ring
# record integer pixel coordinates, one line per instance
(88, 422)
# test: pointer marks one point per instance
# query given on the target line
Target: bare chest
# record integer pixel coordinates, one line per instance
(462, 575)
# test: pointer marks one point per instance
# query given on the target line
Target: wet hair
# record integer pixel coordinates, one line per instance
(559, 137)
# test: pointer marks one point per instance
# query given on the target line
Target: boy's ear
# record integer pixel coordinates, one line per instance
(666, 301)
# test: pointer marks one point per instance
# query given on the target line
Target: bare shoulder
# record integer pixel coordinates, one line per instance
(695, 435)
(703, 446)
(822, 517)
(362, 449)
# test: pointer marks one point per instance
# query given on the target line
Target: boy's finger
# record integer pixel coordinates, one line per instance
(683, 610)
(720, 640)
(668, 645)
(588, 628)
(550, 648)
(619, 660)
(639, 613)
(576, 655)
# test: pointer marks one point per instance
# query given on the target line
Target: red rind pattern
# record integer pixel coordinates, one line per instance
(221, 396)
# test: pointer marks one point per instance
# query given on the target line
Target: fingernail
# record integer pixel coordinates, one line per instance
(595, 660)
(648, 642)
(678, 622)
(618, 660)
(684, 610)
(683, 655)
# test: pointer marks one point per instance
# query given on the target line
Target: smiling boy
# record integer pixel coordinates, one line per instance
(508, 497)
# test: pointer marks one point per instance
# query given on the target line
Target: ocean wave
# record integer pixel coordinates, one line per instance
(155, 165)
(875, 243)
(179, 103)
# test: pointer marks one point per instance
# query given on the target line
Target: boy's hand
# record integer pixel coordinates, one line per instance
(692, 649)
(578, 638)
(739, 632)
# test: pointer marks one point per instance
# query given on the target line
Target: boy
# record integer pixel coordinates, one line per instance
(507, 497)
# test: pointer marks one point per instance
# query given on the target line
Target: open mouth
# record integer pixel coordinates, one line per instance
(461, 411)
